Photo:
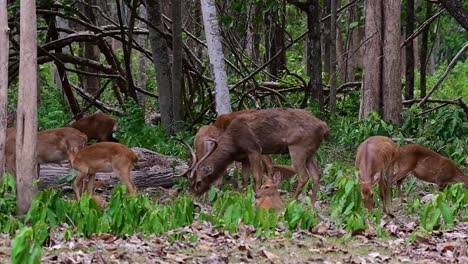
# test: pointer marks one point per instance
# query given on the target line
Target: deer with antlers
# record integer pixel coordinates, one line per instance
(264, 132)
(203, 144)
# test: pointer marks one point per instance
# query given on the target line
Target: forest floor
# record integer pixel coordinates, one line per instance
(324, 244)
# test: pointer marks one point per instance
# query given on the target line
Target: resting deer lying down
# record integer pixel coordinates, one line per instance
(375, 159)
(97, 126)
(203, 144)
(427, 165)
(53, 145)
(103, 157)
(263, 132)
(268, 195)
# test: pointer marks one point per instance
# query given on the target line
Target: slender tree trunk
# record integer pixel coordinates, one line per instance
(216, 56)
(177, 58)
(457, 10)
(314, 48)
(253, 37)
(26, 163)
(424, 50)
(4, 47)
(91, 52)
(372, 60)
(391, 82)
(274, 39)
(141, 78)
(333, 29)
(409, 72)
(326, 38)
(160, 50)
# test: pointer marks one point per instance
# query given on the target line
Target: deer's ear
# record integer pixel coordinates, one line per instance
(208, 145)
(277, 178)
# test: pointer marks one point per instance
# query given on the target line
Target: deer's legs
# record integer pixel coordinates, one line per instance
(254, 159)
(126, 178)
(385, 190)
(245, 172)
(267, 162)
(90, 185)
(313, 169)
(78, 183)
(299, 158)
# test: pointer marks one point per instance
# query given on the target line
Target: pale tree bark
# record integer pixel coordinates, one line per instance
(26, 164)
(409, 51)
(4, 47)
(353, 42)
(372, 80)
(326, 37)
(391, 81)
(333, 29)
(216, 56)
(160, 51)
(177, 57)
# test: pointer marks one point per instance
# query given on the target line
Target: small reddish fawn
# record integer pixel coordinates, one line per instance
(102, 157)
(427, 165)
(375, 159)
(268, 196)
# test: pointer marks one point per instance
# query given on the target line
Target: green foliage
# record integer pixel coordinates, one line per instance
(230, 208)
(8, 222)
(346, 204)
(445, 206)
(26, 250)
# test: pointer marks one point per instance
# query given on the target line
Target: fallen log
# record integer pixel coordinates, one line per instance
(153, 170)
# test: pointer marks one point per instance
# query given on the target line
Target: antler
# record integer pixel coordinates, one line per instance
(193, 157)
(213, 148)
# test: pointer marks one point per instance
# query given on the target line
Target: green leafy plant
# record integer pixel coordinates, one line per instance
(25, 249)
(445, 206)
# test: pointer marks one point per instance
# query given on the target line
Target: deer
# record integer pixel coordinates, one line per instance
(268, 195)
(203, 144)
(53, 145)
(375, 159)
(97, 126)
(102, 157)
(427, 165)
(264, 132)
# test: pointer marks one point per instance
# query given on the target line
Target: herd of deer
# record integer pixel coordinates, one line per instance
(248, 137)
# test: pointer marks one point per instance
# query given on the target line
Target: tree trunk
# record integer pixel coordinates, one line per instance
(4, 47)
(424, 49)
(26, 164)
(91, 52)
(253, 37)
(216, 56)
(391, 80)
(326, 38)
(409, 69)
(372, 60)
(456, 9)
(353, 42)
(274, 39)
(141, 77)
(314, 48)
(333, 29)
(177, 66)
(160, 51)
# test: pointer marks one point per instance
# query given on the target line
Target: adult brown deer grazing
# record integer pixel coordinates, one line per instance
(102, 157)
(53, 145)
(203, 143)
(268, 131)
(427, 165)
(268, 195)
(97, 126)
(375, 159)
